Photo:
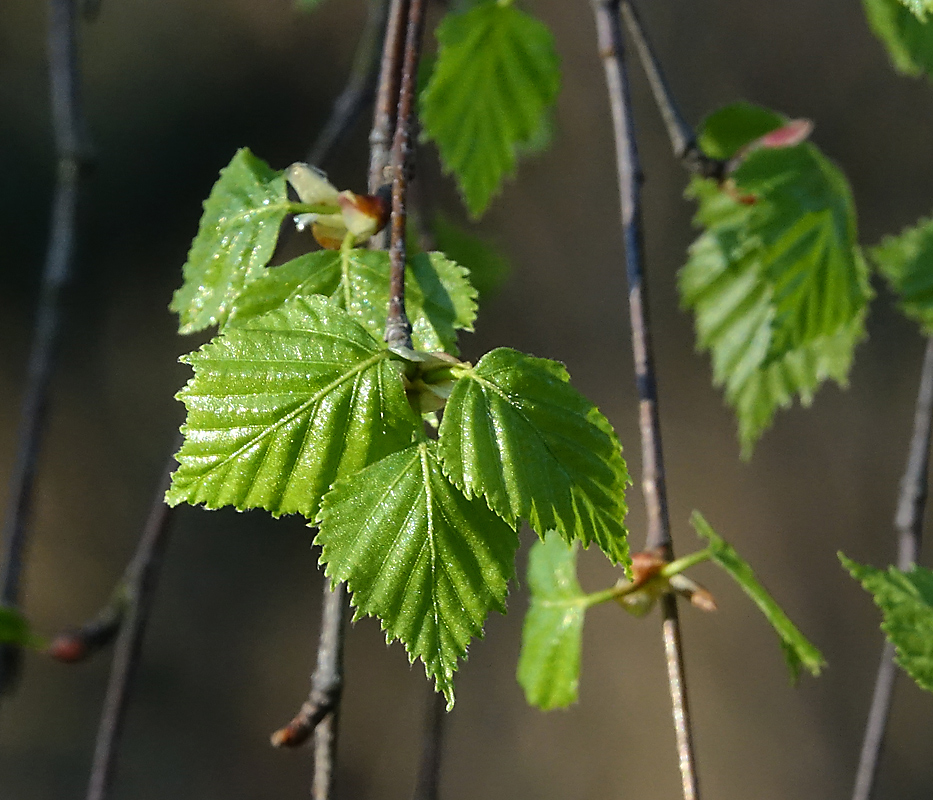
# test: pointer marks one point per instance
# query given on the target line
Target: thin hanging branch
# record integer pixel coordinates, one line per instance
(141, 579)
(398, 328)
(611, 49)
(72, 152)
(361, 85)
(909, 524)
(428, 784)
(386, 106)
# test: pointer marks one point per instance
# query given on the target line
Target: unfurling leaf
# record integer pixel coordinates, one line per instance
(907, 36)
(438, 295)
(281, 407)
(496, 75)
(235, 240)
(906, 261)
(777, 281)
(798, 651)
(906, 603)
(417, 554)
(552, 637)
(516, 432)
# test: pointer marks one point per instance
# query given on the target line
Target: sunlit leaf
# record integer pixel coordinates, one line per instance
(417, 554)
(552, 637)
(798, 651)
(906, 261)
(280, 408)
(516, 432)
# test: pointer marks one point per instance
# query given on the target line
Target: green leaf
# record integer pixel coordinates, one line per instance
(438, 295)
(728, 130)
(906, 603)
(236, 239)
(552, 637)
(908, 39)
(516, 432)
(777, 281)
(14, 629)
(280, 408)
(497, 73)
(907, 262)
(488, 268)
(798, 651)
(920, 8)
(417, 554)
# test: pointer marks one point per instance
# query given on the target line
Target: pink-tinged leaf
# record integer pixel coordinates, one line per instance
(793, 133)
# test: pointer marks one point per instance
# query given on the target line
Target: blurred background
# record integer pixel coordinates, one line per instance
(171, 90)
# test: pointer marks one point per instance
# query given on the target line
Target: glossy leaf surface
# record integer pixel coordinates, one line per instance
(496, 74)
(280, 408)
(516, 432)
(798, 651)
(236, 238)
(906, 261)
(552, 636)
(417, 554)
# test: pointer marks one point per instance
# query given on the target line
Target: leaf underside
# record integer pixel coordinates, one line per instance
(799, 653)
(776, 281)
(552, 636)
(516, 432)
(907, 37)
(906, 261)
(284, 405)
(497, 72)
(417, 554)
(906, 603)
(235, 240)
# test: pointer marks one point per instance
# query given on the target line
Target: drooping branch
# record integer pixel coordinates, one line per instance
(140, 584)
(909, 524)
(428, 783)
(611, 49)
(398, 328)
(72, 153)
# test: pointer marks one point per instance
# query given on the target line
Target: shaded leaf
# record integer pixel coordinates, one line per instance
(908, 39)
(552, 637)
(906, 261)
(417, 554)
(906, 603)
(235, 240)
(496, 74)
(280, 408)
(488, 268)
(516, 432)
(438, 295)
(14, 629)
(798, 651)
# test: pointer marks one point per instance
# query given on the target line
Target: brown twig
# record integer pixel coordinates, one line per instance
(141, 579)
(73, 156)
(398, 328)
(909, 524)
(432, 742)
(611, 49)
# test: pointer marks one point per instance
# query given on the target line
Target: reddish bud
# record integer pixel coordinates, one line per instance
(68, 648)
(292, 735)
(646, 565)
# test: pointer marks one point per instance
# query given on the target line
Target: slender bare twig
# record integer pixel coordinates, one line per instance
(611, 49)
(909, 524)
(142, 576)
(73, 155)
(432, 742)
(398, 328)
(78, 644)
(361, 85)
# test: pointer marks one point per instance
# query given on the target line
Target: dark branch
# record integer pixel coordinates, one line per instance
(398, 328)
(611, 49)
(72, 153)
(909, 524)
(432, 742)
(78, 644)
(141, 579)
(361, 85)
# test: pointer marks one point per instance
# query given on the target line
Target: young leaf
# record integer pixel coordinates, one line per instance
(417, 554)
(280, 408)
(729, 129)
(798, 651)
(552, 637)
(488, 268)
(907, 262)
(497, 73)
(777, 281)
(14, 629)
(907, 36)
(906, 603)
(438, 295)
(235, 240)
(516, 432)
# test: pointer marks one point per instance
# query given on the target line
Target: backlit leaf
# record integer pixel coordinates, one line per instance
(906, 261)
(417, 554)
(907, 36)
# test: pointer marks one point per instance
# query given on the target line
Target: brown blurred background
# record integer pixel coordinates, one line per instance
(172, 89)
